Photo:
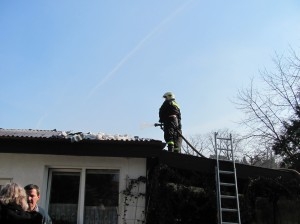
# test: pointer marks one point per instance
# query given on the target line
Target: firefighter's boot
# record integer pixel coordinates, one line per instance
(176, 150)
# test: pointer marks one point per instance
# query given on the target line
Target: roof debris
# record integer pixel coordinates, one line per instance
(73, 136)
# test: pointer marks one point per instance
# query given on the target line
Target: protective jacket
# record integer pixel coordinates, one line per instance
(167, 109)
(170, 116)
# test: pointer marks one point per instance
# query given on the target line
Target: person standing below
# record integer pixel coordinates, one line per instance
(170, 117)
(33, 196)
(13, 206)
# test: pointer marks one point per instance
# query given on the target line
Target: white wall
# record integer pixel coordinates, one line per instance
(31, 168)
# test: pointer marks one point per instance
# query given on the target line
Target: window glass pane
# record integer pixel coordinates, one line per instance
(64, 195)
(101, 197)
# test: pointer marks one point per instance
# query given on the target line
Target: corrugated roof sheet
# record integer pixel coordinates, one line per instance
(30, 133)
(73, 136)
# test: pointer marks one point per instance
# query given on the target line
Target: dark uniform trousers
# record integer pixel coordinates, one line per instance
(171, 128)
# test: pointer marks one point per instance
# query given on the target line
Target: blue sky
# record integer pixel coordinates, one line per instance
(103, 66)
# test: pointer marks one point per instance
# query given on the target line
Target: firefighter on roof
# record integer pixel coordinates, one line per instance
(170, 117)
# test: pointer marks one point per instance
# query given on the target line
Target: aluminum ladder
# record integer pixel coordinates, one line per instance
(226, 182)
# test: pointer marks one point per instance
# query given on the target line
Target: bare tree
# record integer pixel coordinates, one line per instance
(245, 151)
(205, 143)
(267, 108)
(198, 142)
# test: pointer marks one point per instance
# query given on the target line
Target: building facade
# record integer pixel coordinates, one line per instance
(82, 178)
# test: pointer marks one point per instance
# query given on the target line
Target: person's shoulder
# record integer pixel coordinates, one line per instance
(174, 103)
(41, 210)
(44, 214)
(13, 206)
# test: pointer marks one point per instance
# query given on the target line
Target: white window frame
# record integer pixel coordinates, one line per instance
(82, 172)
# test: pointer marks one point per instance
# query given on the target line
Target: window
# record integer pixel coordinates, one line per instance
(88, 196)
(64, 197)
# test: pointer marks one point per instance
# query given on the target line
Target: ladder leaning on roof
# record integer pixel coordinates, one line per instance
(226, 182)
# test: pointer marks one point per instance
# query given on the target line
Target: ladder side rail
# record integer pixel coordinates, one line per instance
(235, 179)
(226, 147)
(218, 198)
(218, 181)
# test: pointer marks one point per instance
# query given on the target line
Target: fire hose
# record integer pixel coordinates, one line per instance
(161, 125)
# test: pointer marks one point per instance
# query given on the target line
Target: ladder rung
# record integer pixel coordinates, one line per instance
(226, 172)
(224, 160)
(230, 223)
(227, 184)
(224, 139)
(228, 196)
(229, 210)
(225, 149)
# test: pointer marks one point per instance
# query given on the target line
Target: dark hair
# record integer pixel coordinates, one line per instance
(31, 187)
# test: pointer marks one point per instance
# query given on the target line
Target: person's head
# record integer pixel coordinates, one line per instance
(33, 195)
(169, 96)
(13, 193)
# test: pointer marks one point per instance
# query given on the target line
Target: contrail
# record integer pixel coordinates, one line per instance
(137, 47)
(125, 59)
(40, 121)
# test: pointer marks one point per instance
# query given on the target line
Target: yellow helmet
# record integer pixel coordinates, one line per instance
(169, 96)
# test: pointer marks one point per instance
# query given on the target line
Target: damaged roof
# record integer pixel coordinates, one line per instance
(73, 136)
(76, 143)
(53, 142)
(29, 133)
